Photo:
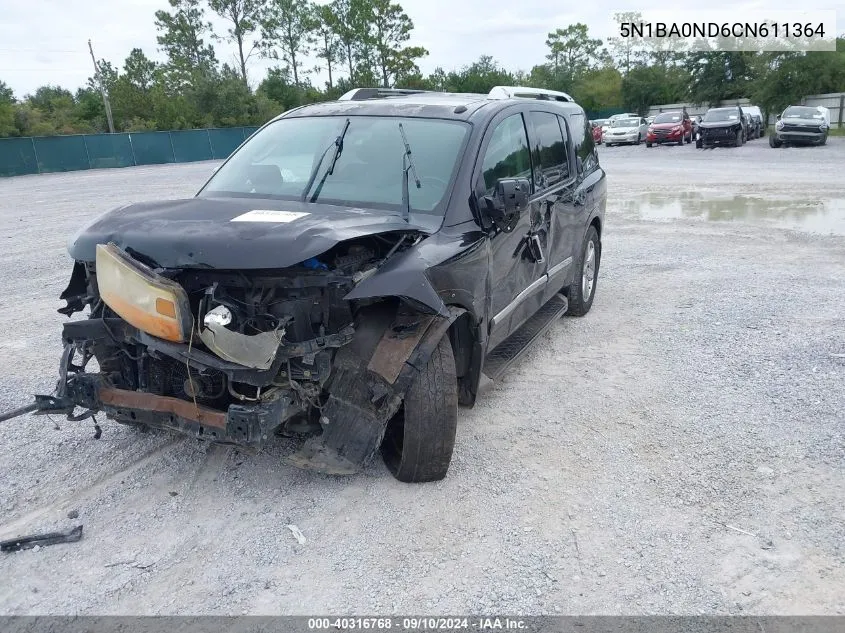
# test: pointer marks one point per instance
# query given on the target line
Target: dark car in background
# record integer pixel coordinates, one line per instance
(721, 126)
(669, 127)
(343, 279)
(801, 125)
(755, 118)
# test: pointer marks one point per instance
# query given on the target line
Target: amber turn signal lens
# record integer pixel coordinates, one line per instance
(165, 307)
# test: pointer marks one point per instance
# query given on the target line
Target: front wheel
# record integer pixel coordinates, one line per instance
(773, 141)
(647, 144)
(639, 139)
(582, 290)
(419, 440)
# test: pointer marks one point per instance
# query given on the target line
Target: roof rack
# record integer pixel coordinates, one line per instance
(509, 92)
(362, 94)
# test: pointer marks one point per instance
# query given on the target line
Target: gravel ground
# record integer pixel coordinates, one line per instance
(679, 450)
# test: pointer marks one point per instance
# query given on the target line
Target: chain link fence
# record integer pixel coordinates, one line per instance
(45, 154)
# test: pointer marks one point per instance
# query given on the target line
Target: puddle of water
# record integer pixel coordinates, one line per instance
(825, 217)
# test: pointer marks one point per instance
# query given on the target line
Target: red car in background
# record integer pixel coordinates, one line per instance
(669, 127)
(598, 135)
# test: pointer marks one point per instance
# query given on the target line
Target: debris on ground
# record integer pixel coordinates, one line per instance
(37, 541)
(297, 533)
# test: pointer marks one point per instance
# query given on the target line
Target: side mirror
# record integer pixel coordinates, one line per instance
(778, 117)
(503, 208)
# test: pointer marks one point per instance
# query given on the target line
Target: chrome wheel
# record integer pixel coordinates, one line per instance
(588, 271)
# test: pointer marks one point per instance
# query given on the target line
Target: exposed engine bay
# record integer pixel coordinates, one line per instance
(265, 352)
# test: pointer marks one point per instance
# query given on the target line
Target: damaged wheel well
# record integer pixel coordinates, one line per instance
(467, 349)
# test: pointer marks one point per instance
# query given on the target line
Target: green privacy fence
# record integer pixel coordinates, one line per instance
(605, 114)
(44, 154)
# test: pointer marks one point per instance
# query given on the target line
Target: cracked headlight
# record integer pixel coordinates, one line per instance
(148, 301)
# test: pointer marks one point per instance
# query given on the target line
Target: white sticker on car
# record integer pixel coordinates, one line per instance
(268, 215)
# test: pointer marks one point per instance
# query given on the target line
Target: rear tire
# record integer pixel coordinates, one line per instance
(419, 440)
(579, 294)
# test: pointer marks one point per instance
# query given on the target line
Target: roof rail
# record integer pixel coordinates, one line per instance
(508, 92)
(362, 94)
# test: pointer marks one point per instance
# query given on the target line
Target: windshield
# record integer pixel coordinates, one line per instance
(668, 117)
(278, 161)
(625, 123)
(801, 112)
(725, 114)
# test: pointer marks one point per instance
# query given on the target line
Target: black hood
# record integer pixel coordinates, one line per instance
(713, 125)
(201, 233)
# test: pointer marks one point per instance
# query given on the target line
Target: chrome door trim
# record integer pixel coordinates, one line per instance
(534, 287)
(555, 270)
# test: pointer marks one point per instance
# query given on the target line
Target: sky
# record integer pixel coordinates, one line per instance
(46, 41)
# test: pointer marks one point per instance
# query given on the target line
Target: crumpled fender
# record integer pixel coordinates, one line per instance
(402, 277)
(360, 405)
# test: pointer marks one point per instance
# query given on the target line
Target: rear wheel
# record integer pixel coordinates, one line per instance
(583, 288)
(419, 440)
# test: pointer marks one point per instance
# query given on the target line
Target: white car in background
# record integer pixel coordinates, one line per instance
(628, 130)
(606, 125)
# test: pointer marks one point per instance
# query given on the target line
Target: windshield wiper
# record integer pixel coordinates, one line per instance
(407, 164)
(338, 145)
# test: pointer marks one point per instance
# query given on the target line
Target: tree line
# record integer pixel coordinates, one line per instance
(367, 43)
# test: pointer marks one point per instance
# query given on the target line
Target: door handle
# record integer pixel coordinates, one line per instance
(535, 247)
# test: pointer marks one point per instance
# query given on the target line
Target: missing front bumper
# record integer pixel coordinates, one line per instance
(242, 425)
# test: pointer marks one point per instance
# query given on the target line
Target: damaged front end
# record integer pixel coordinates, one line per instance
(237, 357)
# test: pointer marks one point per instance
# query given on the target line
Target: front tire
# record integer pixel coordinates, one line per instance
(773, 141)
(419, 440)
(647, 144)
(581, 292)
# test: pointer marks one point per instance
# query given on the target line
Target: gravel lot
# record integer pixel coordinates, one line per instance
(679, 450)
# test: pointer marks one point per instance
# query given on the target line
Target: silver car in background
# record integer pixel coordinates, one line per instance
(626, 130)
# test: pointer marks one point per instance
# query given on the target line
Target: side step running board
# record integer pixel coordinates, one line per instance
(513, 347)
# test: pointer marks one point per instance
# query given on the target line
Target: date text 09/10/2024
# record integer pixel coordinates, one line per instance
(411, 624)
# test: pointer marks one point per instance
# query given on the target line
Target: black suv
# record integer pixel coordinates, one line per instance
(343, 279)
(722, 126)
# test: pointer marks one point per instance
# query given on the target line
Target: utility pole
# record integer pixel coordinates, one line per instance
(102, 89)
